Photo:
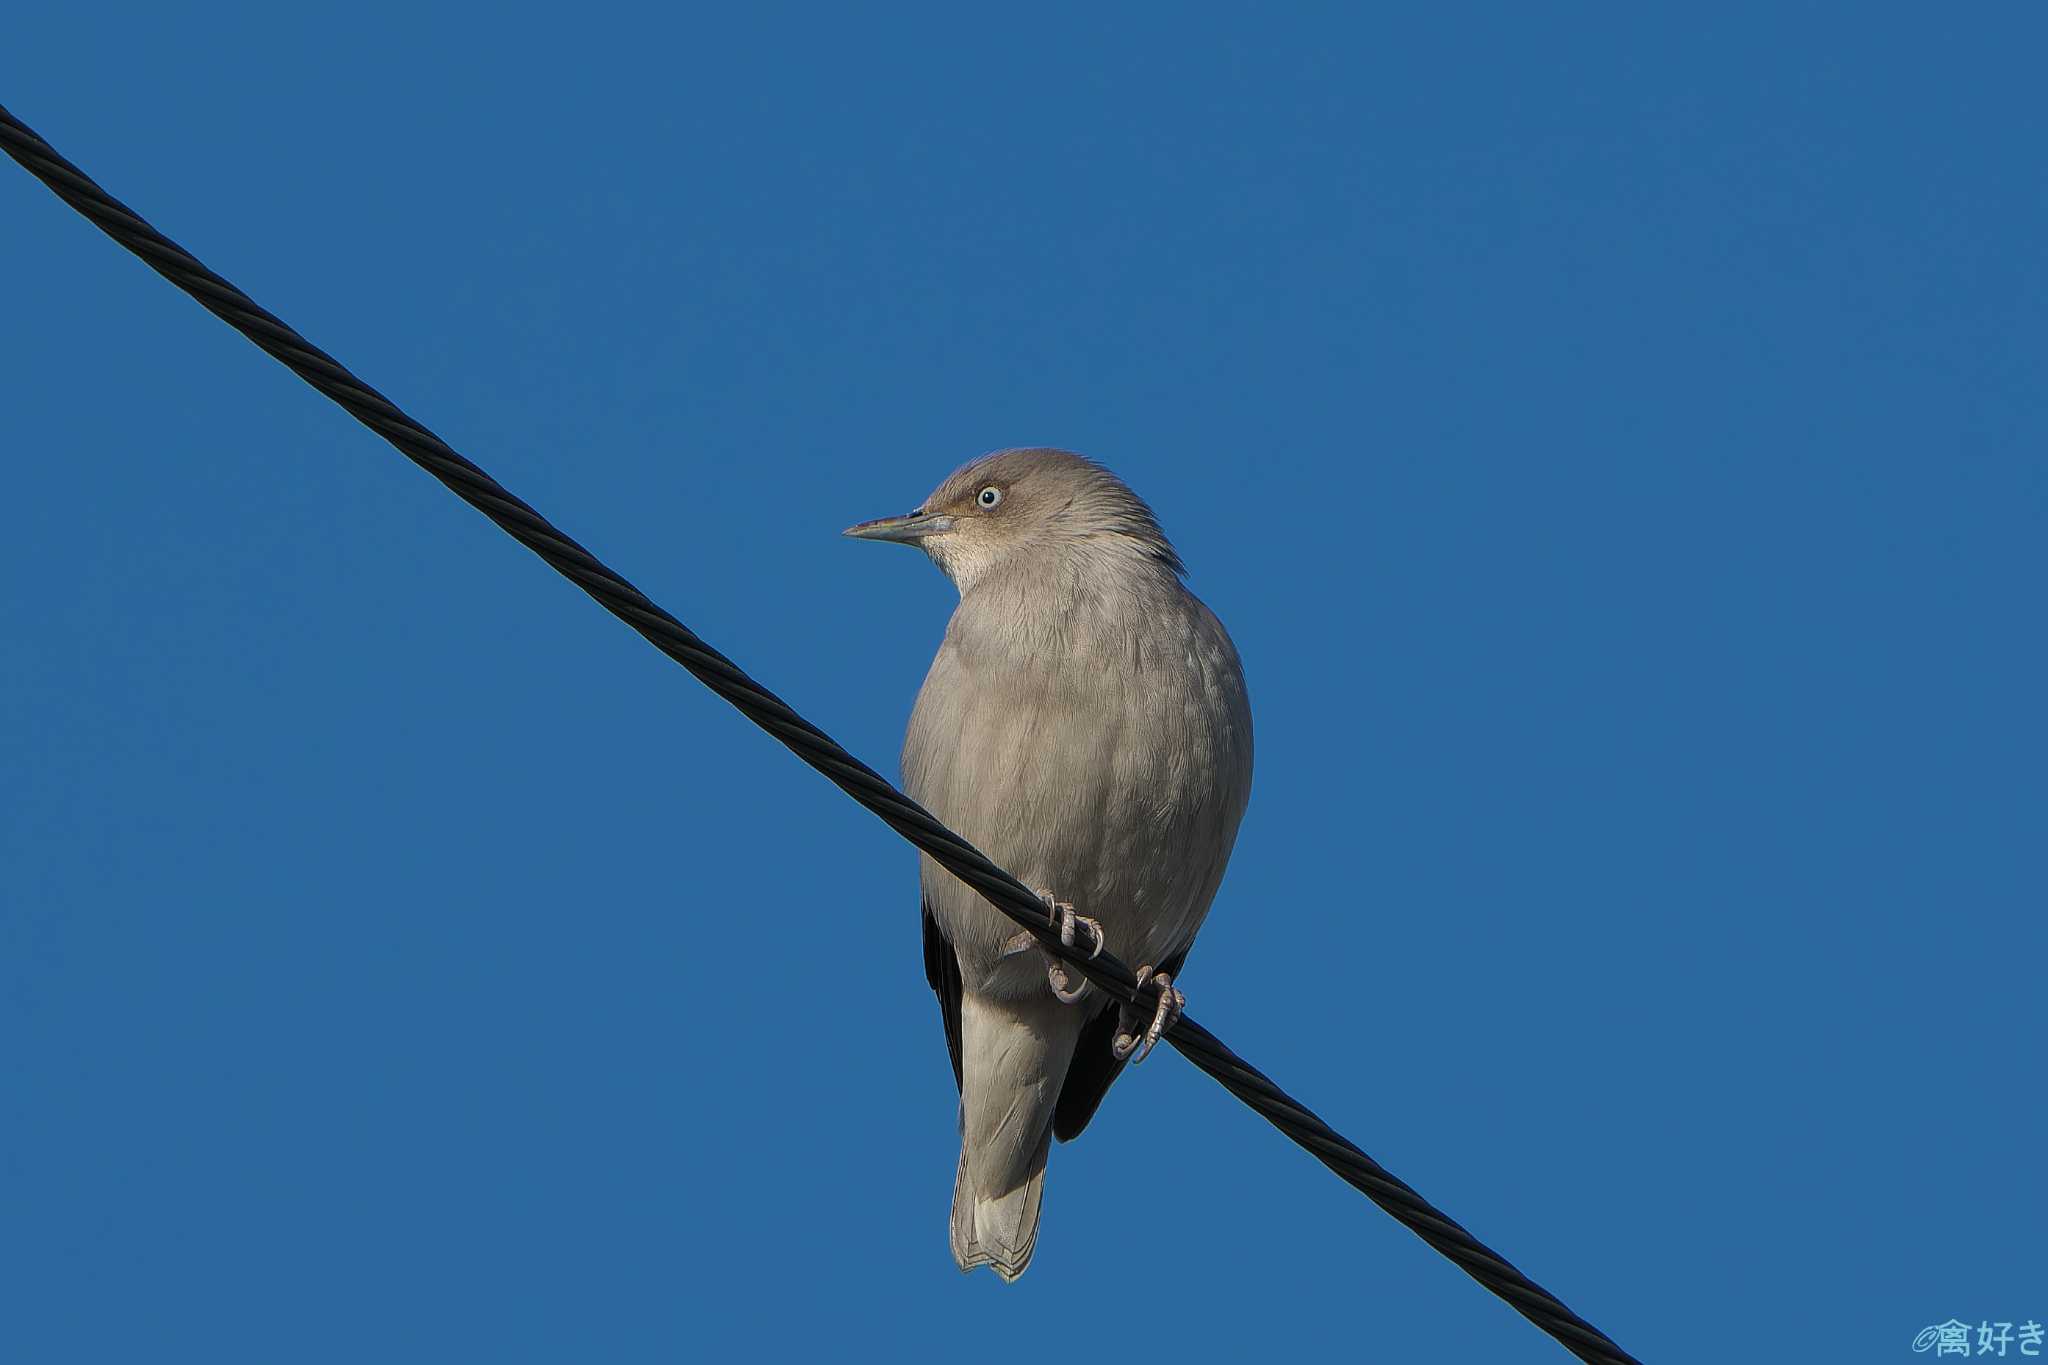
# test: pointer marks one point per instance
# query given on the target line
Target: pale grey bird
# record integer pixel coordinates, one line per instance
(1085, 724)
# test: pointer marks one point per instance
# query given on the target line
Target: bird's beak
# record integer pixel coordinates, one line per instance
(909, 528)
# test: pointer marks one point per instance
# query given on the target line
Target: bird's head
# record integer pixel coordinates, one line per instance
(1017, 503)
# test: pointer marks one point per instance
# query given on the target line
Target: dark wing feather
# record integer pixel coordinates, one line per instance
(942, 970)
(1094, 1068)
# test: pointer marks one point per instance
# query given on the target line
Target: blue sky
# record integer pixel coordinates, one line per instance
(1615, 444)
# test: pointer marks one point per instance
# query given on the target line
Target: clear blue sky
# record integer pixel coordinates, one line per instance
(1616, 444)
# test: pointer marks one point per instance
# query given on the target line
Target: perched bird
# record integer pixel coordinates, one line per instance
(1085, 725)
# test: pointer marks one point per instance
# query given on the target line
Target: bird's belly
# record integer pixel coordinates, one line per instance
(1086, 793)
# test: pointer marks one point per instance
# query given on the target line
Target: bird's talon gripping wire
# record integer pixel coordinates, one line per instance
(1063, 989)
(1172, 1003)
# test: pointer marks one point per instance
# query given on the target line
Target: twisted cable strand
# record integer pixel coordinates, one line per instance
(812, 745)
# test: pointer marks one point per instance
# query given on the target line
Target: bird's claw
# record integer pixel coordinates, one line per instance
(1063, 916)
(1171, 1006)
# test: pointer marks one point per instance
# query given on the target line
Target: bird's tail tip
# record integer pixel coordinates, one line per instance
(999, 1232)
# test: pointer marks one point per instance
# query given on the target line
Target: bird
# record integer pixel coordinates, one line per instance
(1085, 724)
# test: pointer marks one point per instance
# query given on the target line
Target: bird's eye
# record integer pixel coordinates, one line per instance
(990, 496)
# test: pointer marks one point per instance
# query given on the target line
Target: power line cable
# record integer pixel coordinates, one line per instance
(807, 741)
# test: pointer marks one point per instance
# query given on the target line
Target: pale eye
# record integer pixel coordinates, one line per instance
(990, 496)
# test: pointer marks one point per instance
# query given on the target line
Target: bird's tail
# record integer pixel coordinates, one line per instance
(998, 1230)
(1014, 1055)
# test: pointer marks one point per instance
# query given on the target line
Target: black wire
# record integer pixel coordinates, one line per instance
(809, 743)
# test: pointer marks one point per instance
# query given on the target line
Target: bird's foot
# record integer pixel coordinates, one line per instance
(1069, 924)
(1172, 1004)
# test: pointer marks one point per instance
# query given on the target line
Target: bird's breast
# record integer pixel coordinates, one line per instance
(1099, 760)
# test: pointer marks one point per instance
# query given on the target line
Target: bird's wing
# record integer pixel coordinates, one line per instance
(942, 970)
(1094, 1068)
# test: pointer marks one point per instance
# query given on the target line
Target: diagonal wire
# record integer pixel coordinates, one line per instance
(809, 743)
